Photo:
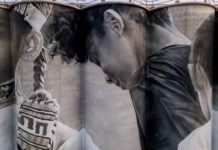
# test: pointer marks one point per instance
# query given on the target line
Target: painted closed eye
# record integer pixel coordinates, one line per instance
(108, 80)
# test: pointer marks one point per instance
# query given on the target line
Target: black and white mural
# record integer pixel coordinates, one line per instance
(113, 76)
(6, 83)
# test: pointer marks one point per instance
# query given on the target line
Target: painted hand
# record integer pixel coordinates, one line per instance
(37, 121)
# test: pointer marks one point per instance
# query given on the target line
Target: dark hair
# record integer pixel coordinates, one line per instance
(68, 28)
(160, 17)
(202, 46)
(94, 16)
(64, 29)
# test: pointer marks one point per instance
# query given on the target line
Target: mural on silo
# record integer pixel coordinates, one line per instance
(113, 76)
(7, 98)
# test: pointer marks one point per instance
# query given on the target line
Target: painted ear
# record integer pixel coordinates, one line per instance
(114, 21)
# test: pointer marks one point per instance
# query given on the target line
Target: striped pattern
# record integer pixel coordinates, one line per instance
(38, 114)
(45, 107)
(34, 13)
(24, 9)
(36, 124)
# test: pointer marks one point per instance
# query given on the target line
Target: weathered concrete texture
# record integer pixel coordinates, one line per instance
(107, 112)
(86, 100)
(5, 51)
(109, 115)
(7, 128)
(6, 113)
(63, 82)
(188, 18)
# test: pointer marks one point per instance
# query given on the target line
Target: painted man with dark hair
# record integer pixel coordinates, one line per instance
(145, 53)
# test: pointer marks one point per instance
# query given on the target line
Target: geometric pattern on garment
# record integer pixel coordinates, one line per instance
(37, 121)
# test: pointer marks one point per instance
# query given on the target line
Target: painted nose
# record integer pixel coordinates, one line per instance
(108, 80)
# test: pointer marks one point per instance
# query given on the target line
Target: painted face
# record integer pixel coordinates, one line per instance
(115, 54)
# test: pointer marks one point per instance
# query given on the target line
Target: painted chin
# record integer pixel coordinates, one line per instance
(118, 83)
(121, 85)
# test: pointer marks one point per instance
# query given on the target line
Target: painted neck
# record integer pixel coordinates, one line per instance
(161, 37)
